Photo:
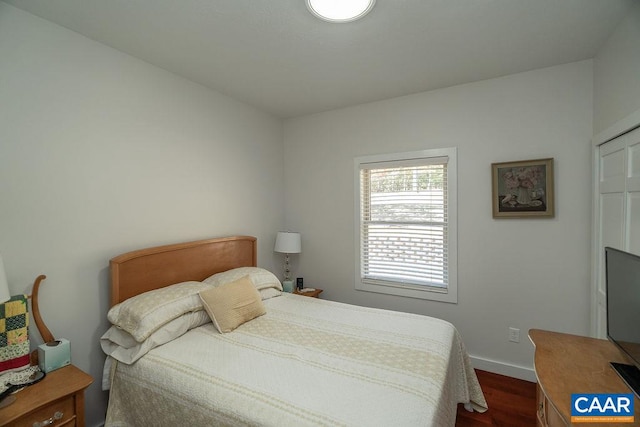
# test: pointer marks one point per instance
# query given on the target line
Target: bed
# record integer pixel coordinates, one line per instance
(303, 361)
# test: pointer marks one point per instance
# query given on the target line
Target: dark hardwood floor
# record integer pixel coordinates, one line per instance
(512, 403)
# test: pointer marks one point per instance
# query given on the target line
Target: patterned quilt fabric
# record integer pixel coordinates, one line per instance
(14, 333)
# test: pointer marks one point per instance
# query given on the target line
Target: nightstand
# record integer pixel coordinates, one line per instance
(58, 398)
(313, 294)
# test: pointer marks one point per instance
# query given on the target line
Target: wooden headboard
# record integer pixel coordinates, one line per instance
(143, 270)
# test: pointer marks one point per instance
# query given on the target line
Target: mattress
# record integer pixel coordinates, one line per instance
(306, 362)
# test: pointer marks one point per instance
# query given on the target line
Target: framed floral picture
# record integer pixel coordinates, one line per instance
(523, 189)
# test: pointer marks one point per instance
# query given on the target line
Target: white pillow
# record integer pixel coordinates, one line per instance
(123, 347)
(264, 281)
(267, 293)
(143, 314)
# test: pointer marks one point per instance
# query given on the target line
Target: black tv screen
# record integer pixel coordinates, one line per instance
(623, 309)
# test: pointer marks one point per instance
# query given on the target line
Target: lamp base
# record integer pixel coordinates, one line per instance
(287, 286)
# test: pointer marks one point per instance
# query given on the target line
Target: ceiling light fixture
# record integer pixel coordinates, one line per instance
(340, 10)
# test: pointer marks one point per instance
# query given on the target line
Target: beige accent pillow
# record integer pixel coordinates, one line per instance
(232, 304)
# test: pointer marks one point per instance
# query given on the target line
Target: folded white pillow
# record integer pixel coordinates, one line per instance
(143, 314)
(123, 347)
(263, 280)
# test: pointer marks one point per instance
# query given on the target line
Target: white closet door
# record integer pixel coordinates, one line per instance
(618, 210)
(633, 192)
(611, 201)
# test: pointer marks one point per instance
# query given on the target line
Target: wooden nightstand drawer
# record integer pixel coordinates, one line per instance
(61, 412)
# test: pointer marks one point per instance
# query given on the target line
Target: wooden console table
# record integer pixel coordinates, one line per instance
(567, 364)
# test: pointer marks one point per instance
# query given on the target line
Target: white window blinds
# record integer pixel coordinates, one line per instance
(404, 223)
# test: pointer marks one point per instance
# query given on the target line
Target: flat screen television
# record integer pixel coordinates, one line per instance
(623, 312)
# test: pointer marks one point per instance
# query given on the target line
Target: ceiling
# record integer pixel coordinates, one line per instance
(274, 55)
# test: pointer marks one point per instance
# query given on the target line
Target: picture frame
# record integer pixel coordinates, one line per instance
(523, 189)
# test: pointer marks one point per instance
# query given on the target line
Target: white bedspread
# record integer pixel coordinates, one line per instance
(307, 362)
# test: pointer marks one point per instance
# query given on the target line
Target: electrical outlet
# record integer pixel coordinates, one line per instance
(514, 335)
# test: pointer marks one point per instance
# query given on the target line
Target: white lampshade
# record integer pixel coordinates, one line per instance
(288, 243)
(5, 294)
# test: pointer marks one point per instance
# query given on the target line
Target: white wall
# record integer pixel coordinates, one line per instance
(523, 273)
(101, 153)
(617, 75)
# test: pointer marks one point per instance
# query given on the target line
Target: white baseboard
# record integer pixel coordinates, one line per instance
(521, 372)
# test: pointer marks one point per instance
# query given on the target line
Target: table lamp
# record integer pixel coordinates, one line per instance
(287, 243)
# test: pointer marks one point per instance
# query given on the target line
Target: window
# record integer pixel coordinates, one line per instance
(406, 224)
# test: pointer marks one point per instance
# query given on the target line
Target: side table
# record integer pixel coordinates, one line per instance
(57, 399)
(313, 294)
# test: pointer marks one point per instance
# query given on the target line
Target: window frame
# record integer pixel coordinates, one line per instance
(450, 294)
